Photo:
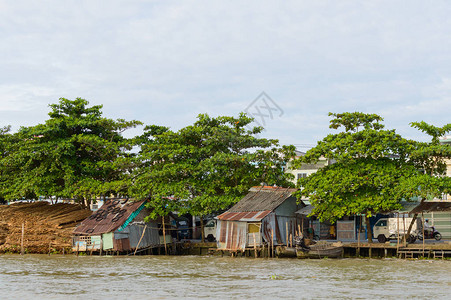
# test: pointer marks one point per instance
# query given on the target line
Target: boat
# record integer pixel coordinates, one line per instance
(321, 250)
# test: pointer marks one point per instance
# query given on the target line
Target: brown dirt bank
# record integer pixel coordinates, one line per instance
(45, 225)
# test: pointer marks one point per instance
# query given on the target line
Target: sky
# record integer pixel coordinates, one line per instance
(287, 63)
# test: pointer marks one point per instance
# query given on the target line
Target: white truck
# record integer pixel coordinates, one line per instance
(389, 228)
(210, 230)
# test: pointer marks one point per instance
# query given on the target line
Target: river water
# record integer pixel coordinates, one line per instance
(168, 277)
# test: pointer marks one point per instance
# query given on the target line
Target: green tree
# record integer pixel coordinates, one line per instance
(76, 153)
(373, 170)
(6, 140)
(430, 157)
(208, 166)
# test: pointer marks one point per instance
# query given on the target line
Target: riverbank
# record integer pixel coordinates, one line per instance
(45, 227)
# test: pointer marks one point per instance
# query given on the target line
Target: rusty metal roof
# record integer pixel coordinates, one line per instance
(109, 217)
(263, 198)
(253, 216)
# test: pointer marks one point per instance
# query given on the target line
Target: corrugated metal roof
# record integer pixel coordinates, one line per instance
(306, 210)
(253, 216)
(109, 217)
(263, 198)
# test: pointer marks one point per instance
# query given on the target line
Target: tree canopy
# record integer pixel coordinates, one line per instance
(207, 166)
(75, 154)
(373, 169)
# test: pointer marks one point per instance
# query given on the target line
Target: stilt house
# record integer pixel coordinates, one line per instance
(117, 226)
(266, 215)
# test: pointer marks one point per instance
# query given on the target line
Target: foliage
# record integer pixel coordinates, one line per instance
(76, 153)
(373, 169)
(207, 166)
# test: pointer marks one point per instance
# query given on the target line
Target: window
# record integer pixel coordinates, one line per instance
(301, 175)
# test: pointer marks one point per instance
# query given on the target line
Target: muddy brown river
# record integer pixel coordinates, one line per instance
(161, 277)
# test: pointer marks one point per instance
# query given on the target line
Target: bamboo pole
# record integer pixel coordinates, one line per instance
(255, 245)
(21, 240)
(142, 235)
(291, 240)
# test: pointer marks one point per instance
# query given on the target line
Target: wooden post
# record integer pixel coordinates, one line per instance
(291, 240)
(142, 235)
(21, 240)
(164, 238)
(404, 228)
(78, 246)
(92, 248)
(397, 242)
(64, 250)
(50, 245)
(255, 245)
(302, 224)
(272, 242)
(422, 226)
(286, 237)
(358, 235)
(101, 245)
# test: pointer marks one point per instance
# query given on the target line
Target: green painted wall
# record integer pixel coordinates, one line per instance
(107, 241)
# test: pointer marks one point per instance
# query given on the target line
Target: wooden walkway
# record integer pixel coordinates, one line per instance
(415, 250)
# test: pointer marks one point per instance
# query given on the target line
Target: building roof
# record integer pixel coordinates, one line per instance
(429, 206)
(258, 203)
(113, 214)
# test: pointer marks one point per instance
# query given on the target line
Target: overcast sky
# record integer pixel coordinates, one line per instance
(164, 62)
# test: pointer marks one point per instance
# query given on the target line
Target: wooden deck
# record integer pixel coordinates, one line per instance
(415, 250)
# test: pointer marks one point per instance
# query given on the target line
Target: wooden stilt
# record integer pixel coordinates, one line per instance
(404, 229)
(286, 237)
(272, 242)
(22, 250)
(164, 238)
(255, 245)
(397, 231)
(422, 226)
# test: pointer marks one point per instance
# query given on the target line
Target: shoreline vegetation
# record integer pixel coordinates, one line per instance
(203, 169)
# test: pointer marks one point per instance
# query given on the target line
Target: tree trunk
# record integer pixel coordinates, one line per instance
(369, 229)
(202, 229)
(414, 218)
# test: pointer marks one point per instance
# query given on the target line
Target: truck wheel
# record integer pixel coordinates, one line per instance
(210, 238)
(381, 238)
(437, 236)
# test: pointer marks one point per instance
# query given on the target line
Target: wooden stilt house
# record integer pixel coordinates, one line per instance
(265, 215)
(117, 226)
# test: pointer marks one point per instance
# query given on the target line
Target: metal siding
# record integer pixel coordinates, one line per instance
(150, 237)
(233, 235)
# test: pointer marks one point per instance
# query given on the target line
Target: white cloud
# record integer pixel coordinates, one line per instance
(165, 62)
